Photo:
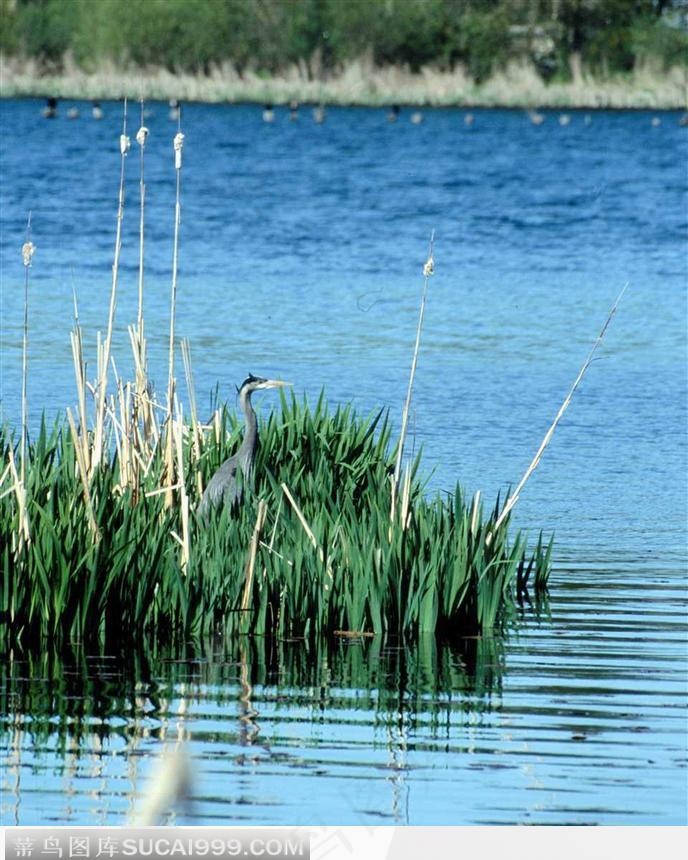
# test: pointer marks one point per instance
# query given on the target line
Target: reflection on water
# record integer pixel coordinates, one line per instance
(74, 698)
(577, 717)
(83, 725)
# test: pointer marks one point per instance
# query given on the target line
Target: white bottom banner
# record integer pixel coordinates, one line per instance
(343, 843)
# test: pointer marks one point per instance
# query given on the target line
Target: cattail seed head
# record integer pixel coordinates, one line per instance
(178, 145)
(429, 267)
(27, 253)
(141, 136)
(124, 143)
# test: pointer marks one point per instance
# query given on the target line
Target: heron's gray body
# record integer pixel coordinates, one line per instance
(223, 489)
(226, 486)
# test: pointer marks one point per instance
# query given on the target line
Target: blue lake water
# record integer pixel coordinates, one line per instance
(301, 254)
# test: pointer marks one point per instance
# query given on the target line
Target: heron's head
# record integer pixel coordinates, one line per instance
(258, 383)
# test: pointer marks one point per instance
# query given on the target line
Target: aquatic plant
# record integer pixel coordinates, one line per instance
(326, 556)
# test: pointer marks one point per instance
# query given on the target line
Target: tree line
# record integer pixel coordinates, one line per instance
(322, 35)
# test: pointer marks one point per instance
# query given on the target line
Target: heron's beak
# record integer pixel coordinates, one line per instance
(274, 383)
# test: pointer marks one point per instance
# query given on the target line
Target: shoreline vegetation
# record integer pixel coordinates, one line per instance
(466, 53)
(336, 535)
(358, 83)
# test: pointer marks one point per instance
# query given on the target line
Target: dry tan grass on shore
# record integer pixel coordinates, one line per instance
(358, 83)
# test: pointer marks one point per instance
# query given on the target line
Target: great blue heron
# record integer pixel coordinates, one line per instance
(224, 488)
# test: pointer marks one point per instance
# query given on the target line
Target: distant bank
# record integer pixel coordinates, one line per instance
(358, 83)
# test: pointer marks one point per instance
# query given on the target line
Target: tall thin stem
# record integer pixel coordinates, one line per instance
(141, 139)
(27, 254)
(141, 401)
(178, 145)
(513, 498)
(104, 358)
(169, 458)
(428, 269)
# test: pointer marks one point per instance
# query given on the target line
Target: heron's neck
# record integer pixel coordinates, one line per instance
(250, 443)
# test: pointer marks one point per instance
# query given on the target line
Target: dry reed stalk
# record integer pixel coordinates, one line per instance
(406, 497)
(178, 145)
(175, 535)
(122, 425)
(144, 406)
(19, 478)
(168, 468)
(141, 136)
(279, 555)
(513, 497)
(183, 497)
(104, 349)
(23, 532)
(138, 340)
(307, 529)
(142, 465)
(168, 488)
(392, 507)
(197, 436)
(11, 489)
(127, 462)
(299, 514)
(251, 561)
(79, 448)
(475, 513)
(80, 374)
(137, 440)
(118, 433)
(2, 478)
(273, 535)
(28, 249)
(428, 270)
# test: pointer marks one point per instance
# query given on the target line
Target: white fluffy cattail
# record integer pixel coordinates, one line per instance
(141, 136)
(124, 143)
(27, 253)
(178, 145)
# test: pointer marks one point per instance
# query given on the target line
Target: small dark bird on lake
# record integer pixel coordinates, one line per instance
(226, 485)
(50, 109)
(393, 115)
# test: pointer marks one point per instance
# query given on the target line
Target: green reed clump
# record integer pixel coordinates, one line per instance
(313, 550)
